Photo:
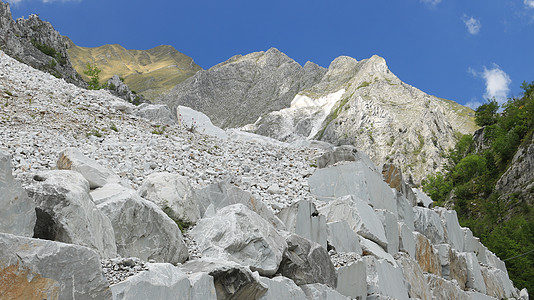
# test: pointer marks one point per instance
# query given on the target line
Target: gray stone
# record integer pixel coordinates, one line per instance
(317, 291)
(307, 262)
(418, 286)
(341, 153)
(406, 240)
(445, 289)
(232, 281)
(222, 194)
(17, 211)
(196, 121)
(202, 286)
(117, 87)
(159, 113)
(49, 270)
(371, 248)
(359, 215)
(385, 279)
(302, 218)
(393, 176)
(422, 199)
(391, 228)
(458, 269)
(474, 275)
(66, 212)
(161, 281)
(141, 228)
(455, 234)
(342, 237)
(426, 255)
(405, 211)
(429, 224)
(352, 280)
(353, 178)
(96, 174)
(497, 283)
(236, 233)
(173, 194)
(281, 287)
(479, 296)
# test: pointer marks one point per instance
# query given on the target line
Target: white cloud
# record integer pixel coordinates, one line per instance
(436, 2)
(497, 84)
(529, 3)
(14, 1)
(472, 24)
(473, 104)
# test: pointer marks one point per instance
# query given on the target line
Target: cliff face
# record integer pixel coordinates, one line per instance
(243, 88)
(516, 185)
(36, 43)
(148, 72)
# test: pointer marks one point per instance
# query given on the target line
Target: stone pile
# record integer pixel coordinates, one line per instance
(112, 193)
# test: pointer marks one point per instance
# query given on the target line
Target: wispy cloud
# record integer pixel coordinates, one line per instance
(433, 3)
(529, 3)
(497, 83)
(474, 103)
(472, 24)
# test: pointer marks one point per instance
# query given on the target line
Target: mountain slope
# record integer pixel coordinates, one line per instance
(353, 102)
(149, 72)
(36, 43)
(243, 88)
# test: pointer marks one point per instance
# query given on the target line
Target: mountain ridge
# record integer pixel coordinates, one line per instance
(150, 72)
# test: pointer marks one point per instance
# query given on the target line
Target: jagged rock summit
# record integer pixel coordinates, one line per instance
(243, 88)
(269, 225)
(360, 103)
(36, 43)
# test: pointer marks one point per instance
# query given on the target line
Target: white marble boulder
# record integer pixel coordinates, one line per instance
(231, 280)
(66, 212)
(165, 281)
(455, 233)
(342, 237)
(352, 280)
(385, 279)
(141, 228)
(406, 239)
(418, 286)
(422, 199)
(428, 223)
(445, 289)
(391, 228)
(41, 269)
(17, 210)
(173, 194)
(318, 291)
(427, 255)
(216, 196)
(238, 234)
(302, 218)
(341, 153)
(353, 178)
(359, 215)
(474, 275)
(307, 262)
(96, 174)
(280, 287)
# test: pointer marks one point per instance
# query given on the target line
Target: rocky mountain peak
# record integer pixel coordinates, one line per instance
(36, 43)
(241, 89)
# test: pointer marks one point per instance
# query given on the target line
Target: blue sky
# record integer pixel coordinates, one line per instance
(463, 50)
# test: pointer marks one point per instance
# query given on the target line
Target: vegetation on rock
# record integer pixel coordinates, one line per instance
(505, 222)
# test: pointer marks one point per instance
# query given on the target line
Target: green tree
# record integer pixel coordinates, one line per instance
(486, 114)
(94, 76)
